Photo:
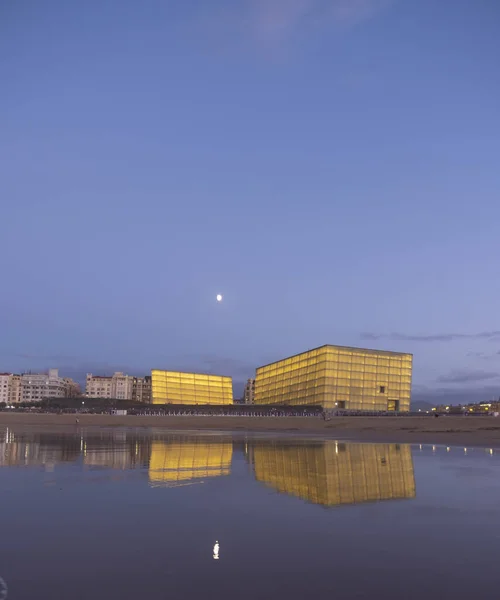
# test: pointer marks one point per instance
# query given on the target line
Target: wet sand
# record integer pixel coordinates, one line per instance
(468, 431)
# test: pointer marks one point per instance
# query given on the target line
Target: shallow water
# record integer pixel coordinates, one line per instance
(124, 514)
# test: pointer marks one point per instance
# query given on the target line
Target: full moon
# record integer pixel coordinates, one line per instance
(219, 297)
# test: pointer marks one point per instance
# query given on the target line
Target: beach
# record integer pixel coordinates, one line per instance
(448, 430)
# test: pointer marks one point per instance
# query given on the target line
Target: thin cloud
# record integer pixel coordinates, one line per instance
(448, 395)
(436, 337)
(275, 19)
(217, 365)
(467, 375)
(57, 357)
(484, 355)
(272, 24)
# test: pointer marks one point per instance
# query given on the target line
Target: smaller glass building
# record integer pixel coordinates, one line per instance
(173, 387)
(338, 377)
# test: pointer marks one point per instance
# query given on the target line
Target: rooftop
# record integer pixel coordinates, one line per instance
(189, 373)
(349, 348)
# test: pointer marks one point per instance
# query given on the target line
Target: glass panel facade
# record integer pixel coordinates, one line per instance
(338, 377)
(172, 387)
(184, 460)
(331, 473)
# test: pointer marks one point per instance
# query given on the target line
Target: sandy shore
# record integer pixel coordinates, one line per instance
(468, 431)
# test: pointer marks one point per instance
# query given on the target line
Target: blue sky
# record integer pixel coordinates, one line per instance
(330, 166)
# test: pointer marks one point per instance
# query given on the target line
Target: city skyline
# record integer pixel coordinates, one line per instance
(315, 163)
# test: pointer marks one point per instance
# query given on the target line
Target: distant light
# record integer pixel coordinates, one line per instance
(219, 297)
(447, 449)
(216, 550)
(491, 450)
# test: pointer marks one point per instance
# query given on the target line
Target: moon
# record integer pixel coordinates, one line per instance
(219, 297)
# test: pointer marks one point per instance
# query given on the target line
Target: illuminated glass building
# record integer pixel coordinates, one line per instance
(172, 387)
(184, 460)
(338, 377)
(331, 473)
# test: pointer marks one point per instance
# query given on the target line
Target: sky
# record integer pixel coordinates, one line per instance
(330, 166)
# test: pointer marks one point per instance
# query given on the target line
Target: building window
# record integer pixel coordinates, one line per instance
(382, 389)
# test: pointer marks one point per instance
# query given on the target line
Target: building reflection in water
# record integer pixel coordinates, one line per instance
(165, 458)
(325, 473)
(30, 449)
(331, 473)
(187, 459)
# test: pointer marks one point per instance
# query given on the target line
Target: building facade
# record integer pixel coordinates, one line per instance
(97, 386)
(172, 387)
(141, 389)
(38, 386)
(122, 386)
(249, 392)
(118, 386)
(338, 377)
(15, 390)
(5, 387)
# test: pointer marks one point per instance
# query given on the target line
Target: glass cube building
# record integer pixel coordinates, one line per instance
(332, 473)
(338, 377)
(173, 387)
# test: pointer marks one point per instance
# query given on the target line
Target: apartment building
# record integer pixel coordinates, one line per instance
(118, 386)
(249, 393)
(141, 389)
(122, 386)
(15, 389)
(97, 386)
(38, 386)
(4, 387)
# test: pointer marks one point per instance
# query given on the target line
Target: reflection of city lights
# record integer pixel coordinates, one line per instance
(216, 550)
(434, 448)
(491, 450)
(465, 450)
(447, 449)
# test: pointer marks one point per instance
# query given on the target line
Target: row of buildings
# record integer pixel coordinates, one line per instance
(119, 386)
(35, 387)
(333, 377)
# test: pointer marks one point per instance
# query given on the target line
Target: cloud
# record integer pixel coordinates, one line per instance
(436, 337)
(56, 357)
(445, 395)
(484, 355)
(217, 365)
(275, 19)
(271, 24)
(467, 375)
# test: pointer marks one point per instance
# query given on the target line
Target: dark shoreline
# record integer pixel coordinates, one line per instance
(449, 431)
